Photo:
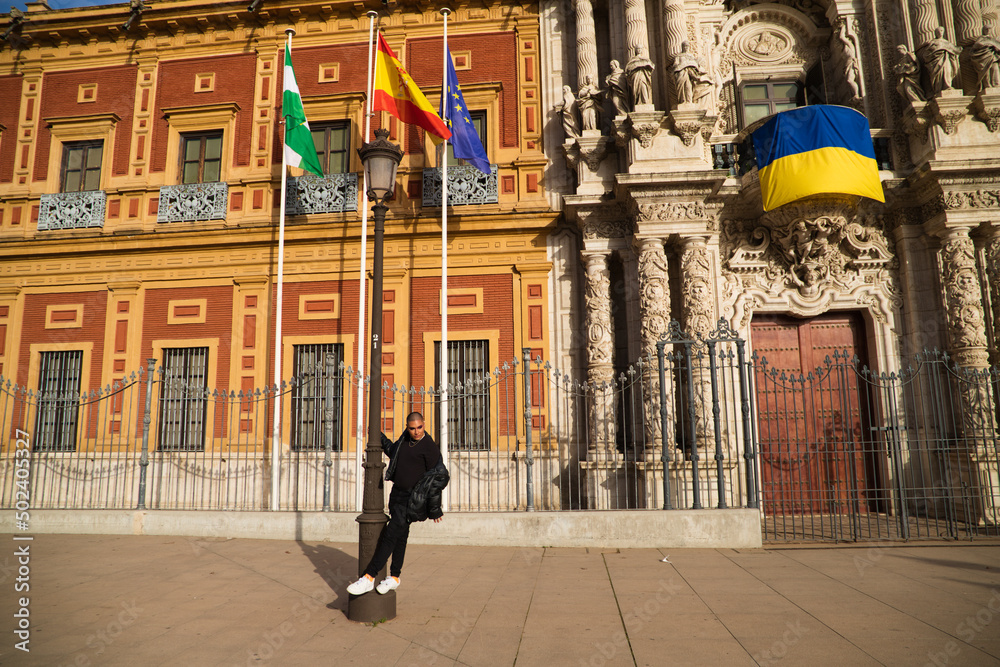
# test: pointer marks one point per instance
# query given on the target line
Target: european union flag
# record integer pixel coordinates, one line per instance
(815, 150)
(466, 142)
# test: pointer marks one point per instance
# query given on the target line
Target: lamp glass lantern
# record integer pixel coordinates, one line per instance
(381, 160)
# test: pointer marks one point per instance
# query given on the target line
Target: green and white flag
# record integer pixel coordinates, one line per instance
(300, 151)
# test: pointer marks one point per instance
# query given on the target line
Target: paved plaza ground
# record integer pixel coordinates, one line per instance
(151, 600)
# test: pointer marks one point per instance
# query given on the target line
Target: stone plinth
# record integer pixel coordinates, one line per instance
(589, 156)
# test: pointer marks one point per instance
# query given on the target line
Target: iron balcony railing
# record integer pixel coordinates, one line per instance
(72, 210)
(466, 185)
(193, 202)
(333, 193)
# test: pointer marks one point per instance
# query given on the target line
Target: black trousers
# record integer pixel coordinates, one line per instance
(392, 540)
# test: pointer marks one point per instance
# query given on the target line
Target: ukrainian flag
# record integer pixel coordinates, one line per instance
(813, 150)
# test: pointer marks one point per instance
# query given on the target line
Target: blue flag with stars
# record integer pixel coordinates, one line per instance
(466, 142)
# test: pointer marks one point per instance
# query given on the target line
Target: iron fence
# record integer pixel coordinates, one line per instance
(839, 453)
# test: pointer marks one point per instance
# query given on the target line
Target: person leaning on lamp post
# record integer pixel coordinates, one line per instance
(418, 476)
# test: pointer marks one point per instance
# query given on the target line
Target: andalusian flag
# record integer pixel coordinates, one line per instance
(300, 151)
(817, 149)
(396, 93)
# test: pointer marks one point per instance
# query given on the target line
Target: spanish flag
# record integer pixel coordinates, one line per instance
(396, 93)
(817, 149)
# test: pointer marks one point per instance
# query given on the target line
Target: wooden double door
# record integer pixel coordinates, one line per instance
(817, 455)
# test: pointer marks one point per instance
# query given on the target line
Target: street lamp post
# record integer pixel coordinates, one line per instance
(381, 158)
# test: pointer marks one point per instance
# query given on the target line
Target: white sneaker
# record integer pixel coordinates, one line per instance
(386, 585)
(361, 586)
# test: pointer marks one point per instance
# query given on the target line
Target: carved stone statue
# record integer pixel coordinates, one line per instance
(640, 77)
(985, 57)
(617, 86)
(908, 75)
(568, 110)
(689, 74)
(586, 99)
(941, 60)
(851, 70)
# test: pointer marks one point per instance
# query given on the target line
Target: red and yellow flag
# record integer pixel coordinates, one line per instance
(396, 93)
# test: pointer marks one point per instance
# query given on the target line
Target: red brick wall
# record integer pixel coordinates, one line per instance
(10, 93)
(498, 313)
(291, 325)
(353, 67)
(494, 58)
(235, 81)
(218, 324)
(33, 329)
(115, 94)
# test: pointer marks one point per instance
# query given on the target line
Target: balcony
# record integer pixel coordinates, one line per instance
(72, 210)
(333, 193)
(193, 202)
(466, 185)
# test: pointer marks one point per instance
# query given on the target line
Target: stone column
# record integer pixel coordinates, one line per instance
(674, 30)
(925, 21)
(636, 33)
(697, 307)
(600, 346)
(968, 21)
(967, 341)
(967, 461)
(654, 303)
(698, 295)
(586, 42)
(991, 19)
(993, 289)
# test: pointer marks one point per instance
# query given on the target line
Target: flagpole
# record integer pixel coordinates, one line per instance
(276, 421)
(362, 279)
(443, 426)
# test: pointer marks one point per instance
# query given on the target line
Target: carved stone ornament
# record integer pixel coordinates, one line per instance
(591, 151)
(605, 222)
(644, 126)
(987, 108)
(600, 341)
(949, 111)
(966, 322)
(975, 199)
(816, 253)
(668, 211)
(993, 280)
(696, 282)
(654, 302)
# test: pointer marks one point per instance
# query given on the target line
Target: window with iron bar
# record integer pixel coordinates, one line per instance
(58, 401)
(183, 399)
(468, 408)
(317, 389)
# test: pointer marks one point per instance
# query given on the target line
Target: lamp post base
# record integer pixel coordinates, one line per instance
(372, 607)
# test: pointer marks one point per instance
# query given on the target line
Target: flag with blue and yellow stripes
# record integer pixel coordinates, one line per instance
(817, 149)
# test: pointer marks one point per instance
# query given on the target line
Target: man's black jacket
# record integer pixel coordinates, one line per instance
(425, 497)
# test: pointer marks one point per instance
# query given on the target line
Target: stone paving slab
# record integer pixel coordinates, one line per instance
(165, 600)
